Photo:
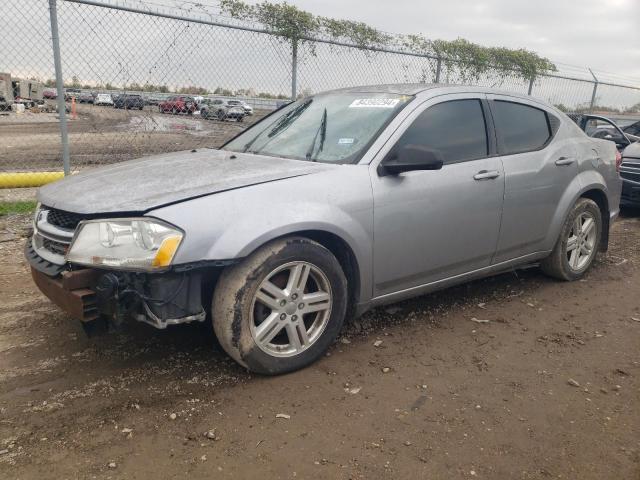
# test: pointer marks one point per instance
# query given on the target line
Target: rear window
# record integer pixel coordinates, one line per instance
(520, 128)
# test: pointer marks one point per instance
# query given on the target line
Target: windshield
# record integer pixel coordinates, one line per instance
(334, 127)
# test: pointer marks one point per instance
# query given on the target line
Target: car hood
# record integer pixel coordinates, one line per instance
(151, 182)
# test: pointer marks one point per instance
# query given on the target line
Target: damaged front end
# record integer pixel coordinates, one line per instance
(104, 298)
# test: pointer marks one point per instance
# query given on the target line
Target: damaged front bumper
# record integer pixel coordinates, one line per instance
(105, 298)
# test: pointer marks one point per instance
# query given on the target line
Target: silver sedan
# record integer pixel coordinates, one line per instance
(330, 206)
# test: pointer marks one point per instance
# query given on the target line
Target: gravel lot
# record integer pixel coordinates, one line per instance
(547, 387)
(103, 135)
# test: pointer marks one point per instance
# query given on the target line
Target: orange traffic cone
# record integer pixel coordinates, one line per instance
(73, 108)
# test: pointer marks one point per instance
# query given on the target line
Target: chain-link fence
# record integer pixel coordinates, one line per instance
(136, 76)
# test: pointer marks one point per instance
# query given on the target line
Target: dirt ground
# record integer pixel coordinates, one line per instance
(101, 135)
(548, 387)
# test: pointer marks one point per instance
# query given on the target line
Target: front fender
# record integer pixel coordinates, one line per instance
(236, 242)
(233, 224)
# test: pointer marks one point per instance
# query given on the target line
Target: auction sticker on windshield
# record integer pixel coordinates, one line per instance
(374, 103)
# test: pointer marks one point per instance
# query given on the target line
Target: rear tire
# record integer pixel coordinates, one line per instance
(280, 309)
(578, 243)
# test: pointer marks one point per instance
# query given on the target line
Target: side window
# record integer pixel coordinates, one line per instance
(520, 128)
(455, 129)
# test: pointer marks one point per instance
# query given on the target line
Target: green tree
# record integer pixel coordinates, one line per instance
(470, 60)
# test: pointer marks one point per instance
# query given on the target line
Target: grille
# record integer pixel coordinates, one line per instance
(55, 247)
(63, 219)
(630, 169)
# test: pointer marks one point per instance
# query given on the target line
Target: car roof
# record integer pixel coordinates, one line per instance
(396, 88)
(432, 88)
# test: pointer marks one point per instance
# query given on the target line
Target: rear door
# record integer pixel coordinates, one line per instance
(432, 225)
(537, 169)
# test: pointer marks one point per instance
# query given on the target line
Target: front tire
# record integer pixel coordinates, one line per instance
(578, 244)
(280, 309)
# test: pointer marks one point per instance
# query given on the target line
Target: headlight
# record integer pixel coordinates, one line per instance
(36, 215)
(126, 243)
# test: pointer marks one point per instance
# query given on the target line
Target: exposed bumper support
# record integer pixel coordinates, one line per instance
(100, 298)
(71, 291)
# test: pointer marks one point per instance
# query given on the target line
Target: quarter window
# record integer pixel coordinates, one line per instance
(455, 129)
(520, 128)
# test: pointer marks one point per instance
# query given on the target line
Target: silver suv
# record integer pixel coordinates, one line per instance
(328, 207)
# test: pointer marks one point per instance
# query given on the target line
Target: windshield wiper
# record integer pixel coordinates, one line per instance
(285, 121)
(280, 125)
(322, 131)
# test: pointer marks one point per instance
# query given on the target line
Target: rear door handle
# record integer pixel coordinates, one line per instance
(563, 161)
(486, 175)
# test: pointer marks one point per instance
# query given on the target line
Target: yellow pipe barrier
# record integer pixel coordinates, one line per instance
(28, 179)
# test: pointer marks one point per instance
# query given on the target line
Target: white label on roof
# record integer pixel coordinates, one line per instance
(374, 103)
(345, 141)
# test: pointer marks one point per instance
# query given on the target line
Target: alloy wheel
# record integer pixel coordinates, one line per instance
(581, 241)
(291, 309)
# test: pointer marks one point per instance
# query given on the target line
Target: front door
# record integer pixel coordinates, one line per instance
(432, 225)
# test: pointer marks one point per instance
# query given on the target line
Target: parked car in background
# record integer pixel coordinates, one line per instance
(103, 99)
(129, 101)
(154, 99)
(71, 93)
(335, 204)
(630, 173)
(50, 94)
(178, 104)
(218, 109)
(85, 97)
(633, 130)
(248, 109)
(596, 126)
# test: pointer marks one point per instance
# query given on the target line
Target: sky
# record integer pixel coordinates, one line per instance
(109, 46)
(601, 34)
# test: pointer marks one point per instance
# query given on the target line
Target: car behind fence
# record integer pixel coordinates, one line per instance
(158, 52)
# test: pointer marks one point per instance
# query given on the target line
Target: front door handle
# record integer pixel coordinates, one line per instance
(563, 161)
(486, 175)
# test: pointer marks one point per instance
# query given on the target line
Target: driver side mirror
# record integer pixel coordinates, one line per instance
(409, 158)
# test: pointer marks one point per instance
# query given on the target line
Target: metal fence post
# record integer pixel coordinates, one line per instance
(438, 69)
(294, 69)
(62, 112)
(593, 94)
(531, 80)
